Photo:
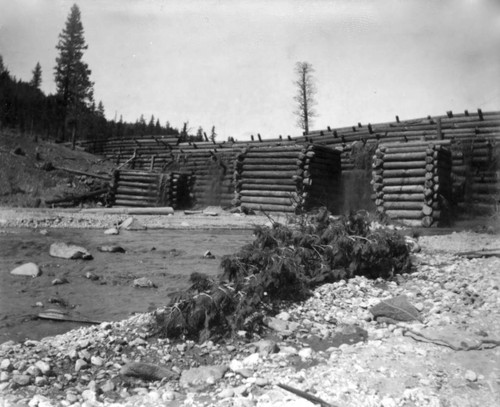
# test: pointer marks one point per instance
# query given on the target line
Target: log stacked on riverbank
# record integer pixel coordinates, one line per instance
(147, 189)
(412, 182)
(287, 178)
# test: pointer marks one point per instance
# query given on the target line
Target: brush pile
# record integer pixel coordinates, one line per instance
(282, 264)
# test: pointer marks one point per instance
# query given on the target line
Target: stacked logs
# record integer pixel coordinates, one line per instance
(286, 178)
(147, 189)
(212, 175)
(412, 182)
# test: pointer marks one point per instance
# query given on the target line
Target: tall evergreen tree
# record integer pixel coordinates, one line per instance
(36, 81)
(72, 75)
(306, 89)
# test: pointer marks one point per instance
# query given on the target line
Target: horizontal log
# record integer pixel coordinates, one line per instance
(415, 197)
(268, 167)
(404, 214)
(127, 203)
(139, 179)
(403, 181)
(267, 200)
(399, 205)
(269, 208)
(269, 174)
(414, 156)
(266, 181)
(144, 198)
(137, 191)
(275, 194)
(273, 161)
(403, 189)
(266, 187)
(138, 173)
(412, 172)
(137, 184)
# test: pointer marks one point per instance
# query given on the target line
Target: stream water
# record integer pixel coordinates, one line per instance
(166, 257)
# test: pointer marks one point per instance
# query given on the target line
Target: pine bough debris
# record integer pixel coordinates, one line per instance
(283, 263)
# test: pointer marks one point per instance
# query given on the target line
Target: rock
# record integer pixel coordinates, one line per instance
(71, 398)
(89, 395)
(111, 231)
(59, 281)
(236, 365)
(470, 376)
(252, 360)
(229, 392)
(147, 371)
(96, 361)
(143, 282)
(126, 223)
(80, 364)
(108, 386)
(278, 325)
(91, 276)
(245, 372)
(169, 395)
(64, 251)
(201, 377)
(261, 381)
(396, 308)
(40, 381)
(21, 379)
(33, 371)
(348, 334)
(412, 245)
(305, 353)
(266, 346)
(131, 224)
(285, 316)
(4, 376)
(39, 400)
(27, 269)
(6, 365)
(208, 255)
(111, 249)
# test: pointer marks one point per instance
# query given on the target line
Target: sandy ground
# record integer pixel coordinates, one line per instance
(166, 257)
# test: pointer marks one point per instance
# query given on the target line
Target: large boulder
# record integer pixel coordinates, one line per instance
(27, 269)
(65, 251)
(147, 371)
(395, 309)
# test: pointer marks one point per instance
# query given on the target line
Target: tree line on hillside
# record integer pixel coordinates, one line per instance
(71, 113)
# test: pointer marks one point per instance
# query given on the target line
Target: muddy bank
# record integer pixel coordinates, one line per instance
(166, 257)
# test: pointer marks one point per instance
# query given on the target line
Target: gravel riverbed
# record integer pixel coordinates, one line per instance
(328, 347)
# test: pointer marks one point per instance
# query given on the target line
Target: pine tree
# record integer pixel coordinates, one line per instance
(72, 75)
(100, 109)
(306, 89)
(36, 81)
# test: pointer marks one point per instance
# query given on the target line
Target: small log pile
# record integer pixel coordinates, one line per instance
(412, 182)
(147, 189)
(287, 178)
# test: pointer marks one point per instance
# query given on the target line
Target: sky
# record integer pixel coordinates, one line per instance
(230, 63)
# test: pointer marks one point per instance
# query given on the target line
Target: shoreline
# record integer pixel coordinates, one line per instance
(385, 368)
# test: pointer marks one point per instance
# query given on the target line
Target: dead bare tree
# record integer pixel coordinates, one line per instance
(306, 89)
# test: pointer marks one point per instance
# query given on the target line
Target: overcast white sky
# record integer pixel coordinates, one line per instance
(231, 63)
